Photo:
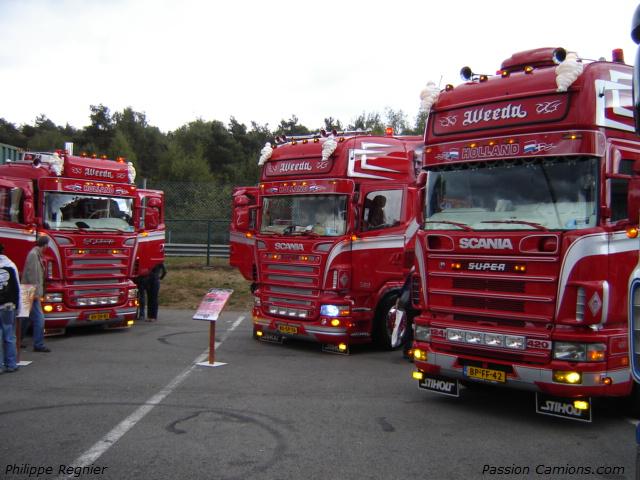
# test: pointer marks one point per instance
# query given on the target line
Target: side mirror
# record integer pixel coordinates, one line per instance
(28, 211)
(151, 218)
(633, 200)
(241, 201)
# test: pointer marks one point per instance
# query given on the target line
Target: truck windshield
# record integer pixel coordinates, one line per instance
(546, 194)
(323, 215)
(64, 211)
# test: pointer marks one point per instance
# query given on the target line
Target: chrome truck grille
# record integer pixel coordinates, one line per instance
(506, 296)
(290, 290)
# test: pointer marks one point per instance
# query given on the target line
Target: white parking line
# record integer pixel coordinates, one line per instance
(100, 447)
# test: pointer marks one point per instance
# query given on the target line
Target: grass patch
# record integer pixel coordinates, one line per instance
(188, 279)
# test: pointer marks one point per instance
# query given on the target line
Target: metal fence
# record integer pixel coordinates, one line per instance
(197, 218)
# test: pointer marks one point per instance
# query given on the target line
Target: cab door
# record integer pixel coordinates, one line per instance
(380, 249)
(17, 216)
(242, 230)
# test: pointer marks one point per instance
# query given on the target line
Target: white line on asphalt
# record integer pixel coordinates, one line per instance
(100, 447)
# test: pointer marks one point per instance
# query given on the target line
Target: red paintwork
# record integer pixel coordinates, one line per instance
(297, 272)
(81, 264)
(541, 303)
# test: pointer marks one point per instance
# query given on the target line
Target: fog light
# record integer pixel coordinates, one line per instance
(417, 375)
(342, 347)
(571, 378)
(581, 404)
(335, 322)
(48, 308)
(130, 323)
(259, 333)
(419, 354)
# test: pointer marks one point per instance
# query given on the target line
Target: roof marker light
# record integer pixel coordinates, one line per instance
(617, 55)
(448, 87)
(528, 69)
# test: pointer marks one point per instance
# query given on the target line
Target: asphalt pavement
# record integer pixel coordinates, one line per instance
(135, 404)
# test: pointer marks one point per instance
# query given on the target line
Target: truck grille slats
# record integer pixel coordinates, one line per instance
(500, 292)
(489, 304)
(490, 285)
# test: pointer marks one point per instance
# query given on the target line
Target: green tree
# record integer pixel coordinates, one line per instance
(101, 130)
(331, 123)
(11, 135)
(291, 127)
(397, 120)
(368, 122)
(120, 147)
(148, 143)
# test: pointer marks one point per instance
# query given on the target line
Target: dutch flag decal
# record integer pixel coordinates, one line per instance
(531, 147)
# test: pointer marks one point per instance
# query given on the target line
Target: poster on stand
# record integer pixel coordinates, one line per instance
(27, 293)
(212, 304)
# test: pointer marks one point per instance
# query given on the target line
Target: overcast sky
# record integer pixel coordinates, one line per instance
(263, 61)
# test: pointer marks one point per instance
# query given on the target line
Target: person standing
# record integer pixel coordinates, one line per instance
(9, 302)
(153, 289)
(33, 274)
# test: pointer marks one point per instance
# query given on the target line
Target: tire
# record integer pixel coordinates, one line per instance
(382, 328)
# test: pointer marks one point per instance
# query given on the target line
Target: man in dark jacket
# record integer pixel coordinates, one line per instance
(9, 302)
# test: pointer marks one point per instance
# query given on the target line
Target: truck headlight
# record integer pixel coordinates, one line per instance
(579, 352)
(53, 297)
(335, 310)
(422, 333)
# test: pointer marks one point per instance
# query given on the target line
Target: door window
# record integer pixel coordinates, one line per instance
(382, 209)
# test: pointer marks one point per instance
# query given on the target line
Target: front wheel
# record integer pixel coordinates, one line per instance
(385, 323)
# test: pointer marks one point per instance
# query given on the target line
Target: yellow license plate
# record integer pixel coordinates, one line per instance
(485, 374)
(98, 316)
(290, 329)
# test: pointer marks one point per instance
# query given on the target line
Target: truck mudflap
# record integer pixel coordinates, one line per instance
(438, 384)
(570, 408)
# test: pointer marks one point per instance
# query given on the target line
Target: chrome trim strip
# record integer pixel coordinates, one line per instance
(422, 269)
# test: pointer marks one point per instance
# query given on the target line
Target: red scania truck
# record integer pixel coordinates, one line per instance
(327, 237)
(103, 232)
(529, 245)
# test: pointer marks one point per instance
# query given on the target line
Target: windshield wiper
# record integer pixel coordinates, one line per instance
(463, 226)
(537, 226)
